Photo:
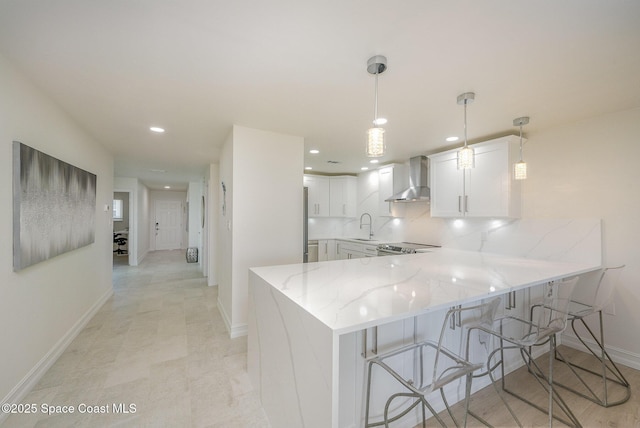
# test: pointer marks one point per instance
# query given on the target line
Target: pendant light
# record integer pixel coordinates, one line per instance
(466, 157)
(375, 135)
(520, 167)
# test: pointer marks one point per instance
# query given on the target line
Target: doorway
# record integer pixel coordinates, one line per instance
(121, 222)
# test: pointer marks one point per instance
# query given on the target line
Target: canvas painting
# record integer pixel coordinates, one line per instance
(54, 207)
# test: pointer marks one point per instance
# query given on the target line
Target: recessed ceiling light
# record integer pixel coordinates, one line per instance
(167, 187)
(308, 168)
(451, 139)
(364, 168)
(380, 121)
(314, 151)
(374, 161)
(156, 129)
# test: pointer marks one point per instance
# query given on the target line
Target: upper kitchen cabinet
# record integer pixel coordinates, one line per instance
(331, 196)
(342, 193)
(487, 190)
(318, 195)
(392, 179)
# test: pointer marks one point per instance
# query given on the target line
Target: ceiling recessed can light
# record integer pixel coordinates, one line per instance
(156, 129)
(314, 151)
(364, 168)
(167, 187)
(374, 161)
(451, 139)
(308, 168)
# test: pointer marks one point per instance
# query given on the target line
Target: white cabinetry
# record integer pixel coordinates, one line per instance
(488, 190)
(318, 195)
(351, 250)
(326, 250)
(343, 196)
(331, 196)
(392, 179)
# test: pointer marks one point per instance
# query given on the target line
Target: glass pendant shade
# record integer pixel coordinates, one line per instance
(466, 158)
(520, 170)
(375, 142)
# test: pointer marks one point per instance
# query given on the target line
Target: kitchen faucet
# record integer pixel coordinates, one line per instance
(370, 224)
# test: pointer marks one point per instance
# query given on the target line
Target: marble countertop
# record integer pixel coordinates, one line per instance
(350, 295)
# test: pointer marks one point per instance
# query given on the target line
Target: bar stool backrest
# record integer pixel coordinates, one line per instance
(604, 291)
(552, 314)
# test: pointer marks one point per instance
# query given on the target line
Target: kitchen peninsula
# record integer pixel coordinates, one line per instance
(306, 320)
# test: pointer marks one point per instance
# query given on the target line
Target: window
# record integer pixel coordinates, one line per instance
(117, 209)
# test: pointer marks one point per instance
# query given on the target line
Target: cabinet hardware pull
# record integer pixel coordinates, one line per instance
(466, 203)
(459, 206)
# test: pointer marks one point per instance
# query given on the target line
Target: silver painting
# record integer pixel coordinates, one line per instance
(54, 207)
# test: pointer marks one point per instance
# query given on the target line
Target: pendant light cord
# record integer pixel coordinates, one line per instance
(375, 105)
(520, 141)
(465, 123)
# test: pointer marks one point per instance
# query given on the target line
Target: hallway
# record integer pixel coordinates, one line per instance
(159, 348)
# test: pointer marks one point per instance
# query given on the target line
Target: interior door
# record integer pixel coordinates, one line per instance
(168, 225)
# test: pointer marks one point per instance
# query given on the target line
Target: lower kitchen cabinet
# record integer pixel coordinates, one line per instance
(351, 250)
(326, 250)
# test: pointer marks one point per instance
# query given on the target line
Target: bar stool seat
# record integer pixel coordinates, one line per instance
(447, 368)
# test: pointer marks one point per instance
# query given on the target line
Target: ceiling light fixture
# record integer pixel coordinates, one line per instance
(374, 161)
(308, 168)
(375, 135)
(167, 187)
(364, 168)
(452, 139)
(156, 129)
(520, 167)
(466, 158)
(314, 151)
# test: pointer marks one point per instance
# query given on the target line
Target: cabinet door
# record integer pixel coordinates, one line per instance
(318, 195)
(487, 185)
(323, 250)
(447, 186)
(385, 189)
(331, 249)
(342, 196)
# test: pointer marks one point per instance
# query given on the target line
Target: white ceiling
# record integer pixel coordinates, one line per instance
(196, 67)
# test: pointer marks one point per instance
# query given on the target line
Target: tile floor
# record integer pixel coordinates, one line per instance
(160, 344)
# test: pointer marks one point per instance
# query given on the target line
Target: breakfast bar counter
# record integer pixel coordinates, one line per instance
(305, 320)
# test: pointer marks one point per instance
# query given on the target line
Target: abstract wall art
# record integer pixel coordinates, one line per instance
(54, 207)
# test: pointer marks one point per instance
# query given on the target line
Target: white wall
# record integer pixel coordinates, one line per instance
(263, 221)
(43, 306)
(590, 168)
(195, 228)
(212, 210)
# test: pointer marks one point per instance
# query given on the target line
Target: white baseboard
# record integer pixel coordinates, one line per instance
(618, 355)
(17, 394)
(234, 331)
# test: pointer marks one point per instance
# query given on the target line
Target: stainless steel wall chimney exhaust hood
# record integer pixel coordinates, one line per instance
(418, 189)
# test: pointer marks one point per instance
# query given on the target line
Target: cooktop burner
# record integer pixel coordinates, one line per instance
(404, 248)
